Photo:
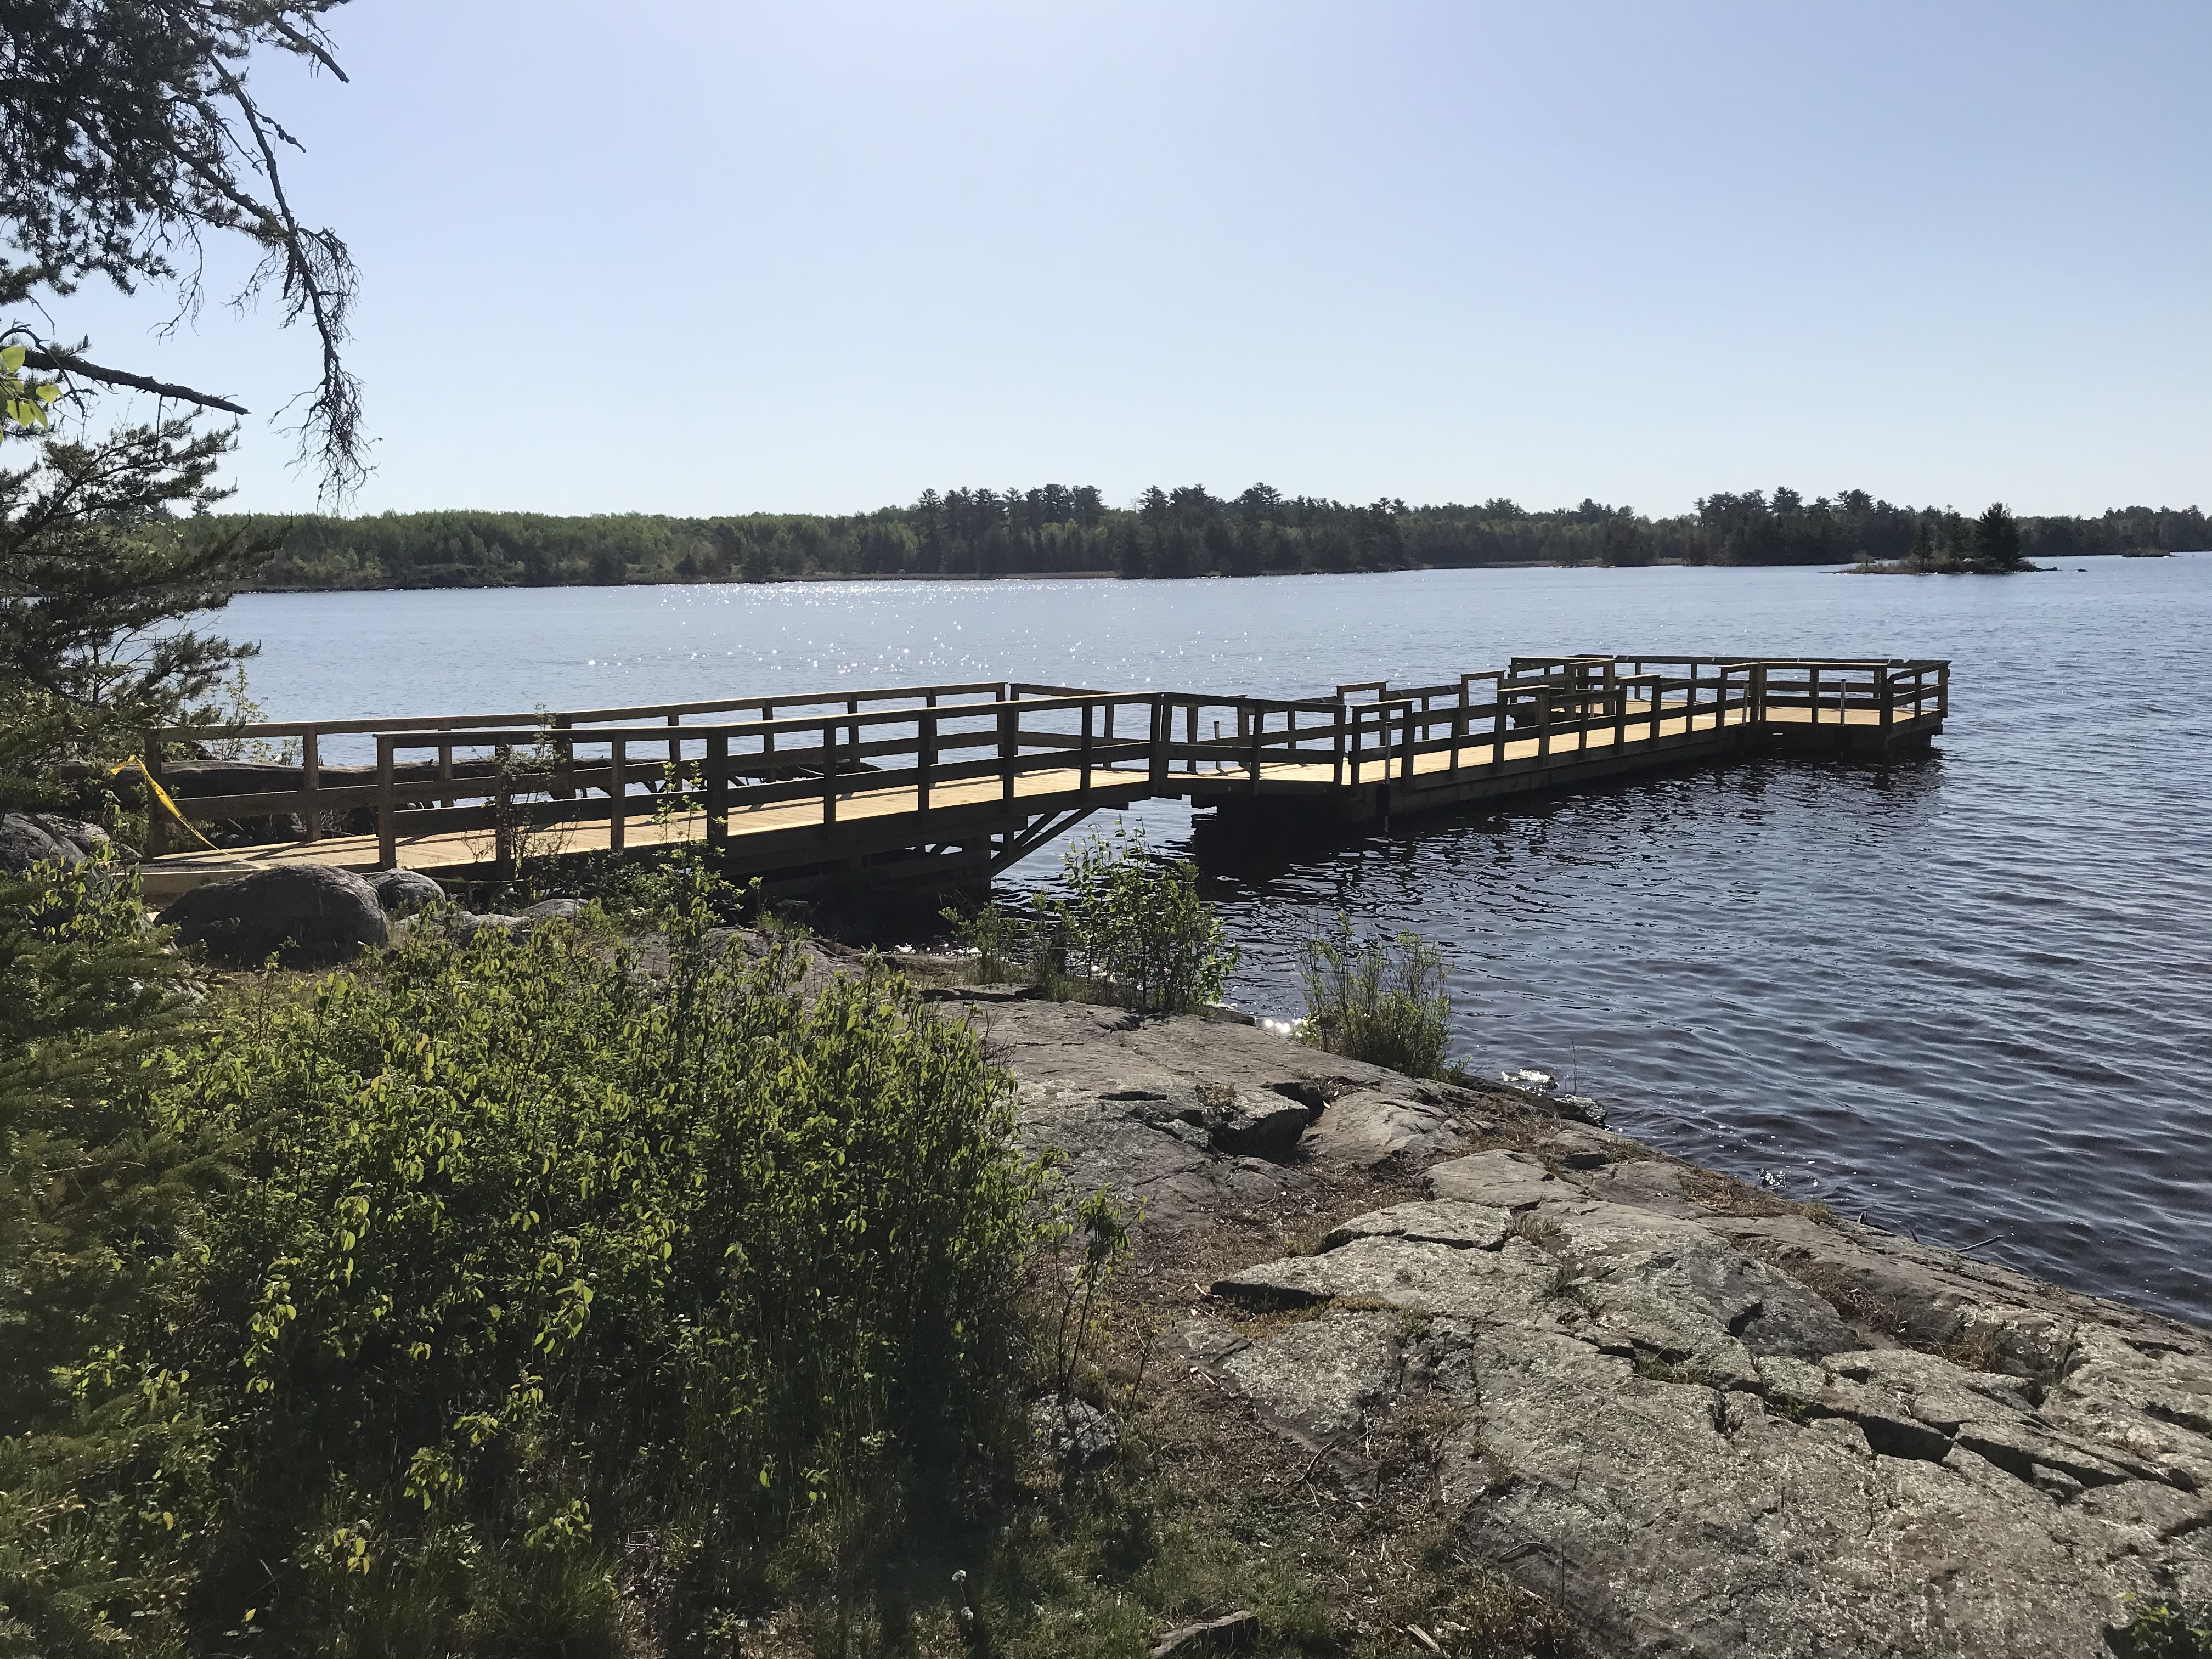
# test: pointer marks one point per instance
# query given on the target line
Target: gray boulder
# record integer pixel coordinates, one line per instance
(25, 840)
(402, 892)
(1076, 1433)
(88, 839)
(306, 914)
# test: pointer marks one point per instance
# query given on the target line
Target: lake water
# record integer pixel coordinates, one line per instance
(1969, 996)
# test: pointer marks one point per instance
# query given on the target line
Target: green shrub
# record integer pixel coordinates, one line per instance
(1001, 940)
(1138, 923)
(532, 1270)
(1380, 1000)
(92, 1193)
(2163, 1631)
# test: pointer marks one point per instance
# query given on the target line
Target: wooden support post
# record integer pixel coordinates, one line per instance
(446, 769)
(502, 812)
(1083, 784)
(1407, 742)
(1010, 733)
(1544, 723)
(310, 780)
(617, 795)
(1159, 729)
(387, 808)
(1336, 748)
(1618, 695)
(1190, 730)
(157, 820)
(564, 761)
(1812, 694)
(1757, 712)
(829, 775)
(675, 754)
(1352, 717)
(1942, 691)
(717, 764)
(925, 745)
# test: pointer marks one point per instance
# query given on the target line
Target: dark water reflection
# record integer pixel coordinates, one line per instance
(1967, 996)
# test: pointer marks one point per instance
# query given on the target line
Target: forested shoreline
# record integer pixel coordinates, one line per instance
(1169, 533)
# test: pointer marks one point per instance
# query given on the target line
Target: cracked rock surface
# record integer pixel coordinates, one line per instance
(1195, 1118)
(1702, 1422)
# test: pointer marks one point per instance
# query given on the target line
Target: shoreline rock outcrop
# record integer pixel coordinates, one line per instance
(1702, 1422)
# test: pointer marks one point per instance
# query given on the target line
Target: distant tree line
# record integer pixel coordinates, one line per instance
(1166, 533)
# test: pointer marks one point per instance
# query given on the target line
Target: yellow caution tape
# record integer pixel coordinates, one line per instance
(161, 795)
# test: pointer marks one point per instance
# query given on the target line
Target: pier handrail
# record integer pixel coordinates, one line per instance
(309, 733)
(830, 744)
(832, 767)
(997, 688)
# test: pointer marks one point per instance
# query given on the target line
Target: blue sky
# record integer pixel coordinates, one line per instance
(702, 258)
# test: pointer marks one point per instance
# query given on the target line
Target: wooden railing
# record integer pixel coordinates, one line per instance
(1897, 691)
(314, 800)
(1094, 742)
(1473, 722)
(510, 774)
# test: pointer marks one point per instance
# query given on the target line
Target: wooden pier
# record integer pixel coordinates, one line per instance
(948, 784)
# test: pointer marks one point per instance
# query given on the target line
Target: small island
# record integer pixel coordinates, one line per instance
(1952, 545)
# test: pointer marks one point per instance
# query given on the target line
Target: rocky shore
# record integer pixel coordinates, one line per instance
(1680, 1416)
(1696, 1419)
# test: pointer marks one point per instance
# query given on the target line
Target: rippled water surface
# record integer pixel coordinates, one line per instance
(1969, 996)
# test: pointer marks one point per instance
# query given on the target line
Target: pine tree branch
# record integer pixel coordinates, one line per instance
(63, 363)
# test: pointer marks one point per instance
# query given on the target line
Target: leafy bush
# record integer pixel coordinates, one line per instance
(535, 1278)
(2163, 1631)
(1002, 941)
(91, 1192)
(1137, 921)
(1380, 1000)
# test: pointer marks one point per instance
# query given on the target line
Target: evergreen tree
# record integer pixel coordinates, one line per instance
(1996, 540)
(94, 576)
(126, 132)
